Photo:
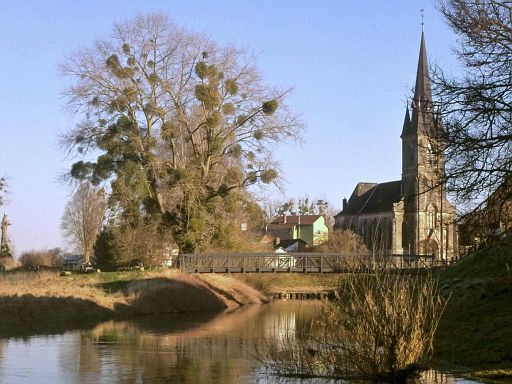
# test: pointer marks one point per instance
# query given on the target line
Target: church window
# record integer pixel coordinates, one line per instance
(430, 155)
(431, 217)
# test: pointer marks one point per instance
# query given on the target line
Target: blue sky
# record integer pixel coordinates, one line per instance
(351, 64)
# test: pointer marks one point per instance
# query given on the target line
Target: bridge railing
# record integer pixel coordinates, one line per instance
(299, 262)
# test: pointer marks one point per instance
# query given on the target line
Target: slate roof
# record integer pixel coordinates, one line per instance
(373, 197)
(281, 225)
(422, 89)
(294, 219)
(286, 243)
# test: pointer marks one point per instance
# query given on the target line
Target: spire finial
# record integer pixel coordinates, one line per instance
(422, 11)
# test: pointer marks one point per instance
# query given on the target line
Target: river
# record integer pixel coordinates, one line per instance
(200, 348)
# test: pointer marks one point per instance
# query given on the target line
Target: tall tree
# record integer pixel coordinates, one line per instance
(181, 124)
(3, 186)
(5, 249)
(83, 218)
(477, 106)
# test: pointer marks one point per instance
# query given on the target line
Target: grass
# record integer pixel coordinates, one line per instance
(270, 283)
(41, 302)
(475, 331)
(494, 374)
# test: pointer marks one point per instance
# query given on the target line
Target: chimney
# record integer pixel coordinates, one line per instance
(344, 203)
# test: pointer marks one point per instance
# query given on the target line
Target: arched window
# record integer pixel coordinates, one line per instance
(431, 158)
(431, 216)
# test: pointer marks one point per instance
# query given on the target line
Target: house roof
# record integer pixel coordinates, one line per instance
(286, 243)
(295, 219)
(373, 197)
(281, 225)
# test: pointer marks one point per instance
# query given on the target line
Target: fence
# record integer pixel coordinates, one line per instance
(300, 262)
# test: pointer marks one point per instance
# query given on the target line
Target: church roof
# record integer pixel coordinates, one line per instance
(423, 120)
(422, 89)
(378, 198)
(407, 123)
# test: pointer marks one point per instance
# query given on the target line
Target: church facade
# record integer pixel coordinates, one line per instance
(411, 216)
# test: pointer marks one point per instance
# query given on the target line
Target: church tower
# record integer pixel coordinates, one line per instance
(428, 223)
(410, 216)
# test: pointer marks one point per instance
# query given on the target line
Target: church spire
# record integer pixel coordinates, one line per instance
(422, 90)
(407, 123)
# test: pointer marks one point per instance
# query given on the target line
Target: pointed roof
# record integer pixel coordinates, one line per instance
(422, 89)
(407, 123)
(423, 119)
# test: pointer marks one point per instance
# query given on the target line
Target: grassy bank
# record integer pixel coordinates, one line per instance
(270, 283)
(476, 330)
(45, 302)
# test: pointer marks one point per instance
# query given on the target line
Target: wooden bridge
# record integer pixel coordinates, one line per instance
(300, 262)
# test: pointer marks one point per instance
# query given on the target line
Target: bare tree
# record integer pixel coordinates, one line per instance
(3, 186)
(477, 106)
(83, 218)
(180, 122)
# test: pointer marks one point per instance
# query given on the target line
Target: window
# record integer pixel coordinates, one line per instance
(431, 158)
(431, 217)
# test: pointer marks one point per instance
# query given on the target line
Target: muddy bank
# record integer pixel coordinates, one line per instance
(36, 303)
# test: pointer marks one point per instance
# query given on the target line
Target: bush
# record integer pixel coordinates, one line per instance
(49, 258)
(379, 327)
(343, 242)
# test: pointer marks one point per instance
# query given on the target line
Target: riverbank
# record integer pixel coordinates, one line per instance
(475, 330)
(44, 302)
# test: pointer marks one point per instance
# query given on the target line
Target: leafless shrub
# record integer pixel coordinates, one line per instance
(343, 242)
(379, 327)
(51, 258)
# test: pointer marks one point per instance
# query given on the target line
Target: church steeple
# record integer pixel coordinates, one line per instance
(422, 111)
(422, 89)
(407, 123)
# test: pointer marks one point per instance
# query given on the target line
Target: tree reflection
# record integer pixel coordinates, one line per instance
(182, 349)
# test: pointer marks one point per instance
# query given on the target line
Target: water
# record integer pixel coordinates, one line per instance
(173, 349)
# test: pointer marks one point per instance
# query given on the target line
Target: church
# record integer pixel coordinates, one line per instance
(411, 216)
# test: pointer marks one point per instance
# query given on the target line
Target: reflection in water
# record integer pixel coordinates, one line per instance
(163, 349)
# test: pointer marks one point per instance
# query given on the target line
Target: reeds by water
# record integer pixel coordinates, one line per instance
(380, 326)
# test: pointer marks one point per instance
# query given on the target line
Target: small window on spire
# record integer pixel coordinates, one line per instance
(431, 158)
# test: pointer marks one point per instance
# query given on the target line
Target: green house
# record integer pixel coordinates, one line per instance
(309, 228)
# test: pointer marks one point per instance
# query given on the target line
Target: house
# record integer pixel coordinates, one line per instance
(410, 216)
(309, 228)
(73, 263)
(292, 245)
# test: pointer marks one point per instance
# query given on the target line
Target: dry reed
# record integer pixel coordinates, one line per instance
(380, 326)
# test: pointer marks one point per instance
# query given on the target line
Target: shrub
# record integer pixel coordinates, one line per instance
(379, 327)
(50, 258)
